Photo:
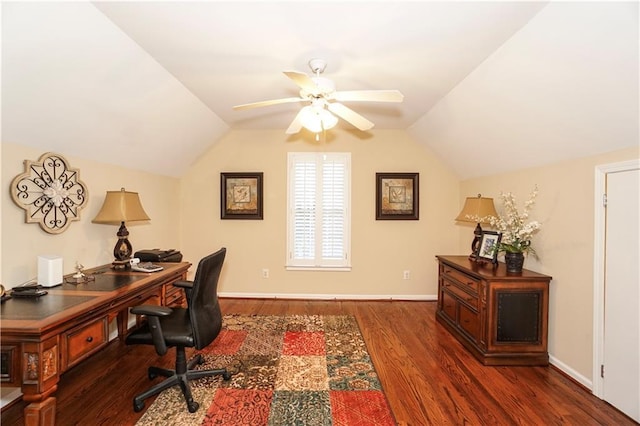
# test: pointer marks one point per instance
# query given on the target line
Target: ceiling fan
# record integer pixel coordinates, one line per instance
(324, 101)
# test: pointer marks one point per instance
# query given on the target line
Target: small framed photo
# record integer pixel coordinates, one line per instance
(397, 196)
(241, 195)
(488, 247)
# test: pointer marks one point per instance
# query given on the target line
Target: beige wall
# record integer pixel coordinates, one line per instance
(565, 245)
(88, 243)
(186, 214)
(381, 250)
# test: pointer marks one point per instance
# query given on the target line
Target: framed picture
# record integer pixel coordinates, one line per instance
(487, 249)
(241, 195)
(397, 196)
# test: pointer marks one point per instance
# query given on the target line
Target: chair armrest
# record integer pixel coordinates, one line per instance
(153, 310)
(184, 284)
(188, 289)
(153, 314)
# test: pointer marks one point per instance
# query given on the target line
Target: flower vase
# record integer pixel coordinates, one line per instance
(514, 261)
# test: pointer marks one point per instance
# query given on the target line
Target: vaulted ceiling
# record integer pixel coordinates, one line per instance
(535, 81)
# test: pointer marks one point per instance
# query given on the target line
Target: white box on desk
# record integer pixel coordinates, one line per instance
(49, 270)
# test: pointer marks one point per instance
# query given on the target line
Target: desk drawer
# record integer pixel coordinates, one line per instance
(85, 340)
(174, 296)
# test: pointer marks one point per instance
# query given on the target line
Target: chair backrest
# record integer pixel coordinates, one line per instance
(204, 310)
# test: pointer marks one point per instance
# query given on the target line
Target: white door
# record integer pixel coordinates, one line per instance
(621, 356)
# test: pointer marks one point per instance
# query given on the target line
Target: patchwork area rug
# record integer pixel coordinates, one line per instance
(287, 370)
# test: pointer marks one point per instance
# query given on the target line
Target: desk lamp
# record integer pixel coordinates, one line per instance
(478, 210)
(120, 207)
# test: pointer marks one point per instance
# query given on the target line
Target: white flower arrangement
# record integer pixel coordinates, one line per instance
(516, 231)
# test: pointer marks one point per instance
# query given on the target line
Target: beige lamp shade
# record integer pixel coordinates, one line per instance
(121, 206)
(476, 210)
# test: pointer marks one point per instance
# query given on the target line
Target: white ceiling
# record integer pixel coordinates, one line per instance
(548, 81)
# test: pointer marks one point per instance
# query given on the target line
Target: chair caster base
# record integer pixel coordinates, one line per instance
(138, 406)
(226, 375)
(193, 407)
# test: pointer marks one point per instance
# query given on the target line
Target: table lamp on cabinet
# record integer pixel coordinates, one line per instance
(120, 207)
(477, 210)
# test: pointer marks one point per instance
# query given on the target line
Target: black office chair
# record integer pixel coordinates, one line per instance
(196, 326)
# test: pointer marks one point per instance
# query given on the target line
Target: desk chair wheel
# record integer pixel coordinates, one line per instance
(138, 405)
(193, 407)
(154, 372)
(226, 375)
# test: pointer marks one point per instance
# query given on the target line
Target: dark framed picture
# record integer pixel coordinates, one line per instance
(397, 196)
(488, 247)
(241, 195)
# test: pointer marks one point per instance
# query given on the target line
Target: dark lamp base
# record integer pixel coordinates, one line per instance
(123, 250)
(120, 264)
(477, 236)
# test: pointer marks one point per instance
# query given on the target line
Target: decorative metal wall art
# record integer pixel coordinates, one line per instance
(50, 192)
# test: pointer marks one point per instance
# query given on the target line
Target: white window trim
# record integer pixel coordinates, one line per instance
(318, 264)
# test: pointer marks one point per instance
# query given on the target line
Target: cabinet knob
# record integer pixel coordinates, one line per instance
(89, 339)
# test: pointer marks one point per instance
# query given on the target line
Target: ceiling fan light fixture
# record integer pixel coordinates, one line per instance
(317, 119)
(326, 103)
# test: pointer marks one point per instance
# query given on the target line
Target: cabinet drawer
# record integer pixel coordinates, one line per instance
(85, 340)
(467, 281)
(470, 322)
(449, 306)
(453, 288)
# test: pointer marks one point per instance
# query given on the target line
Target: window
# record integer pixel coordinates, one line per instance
(319, 218)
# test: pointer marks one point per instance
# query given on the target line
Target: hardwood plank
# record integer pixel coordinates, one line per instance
(427, 375)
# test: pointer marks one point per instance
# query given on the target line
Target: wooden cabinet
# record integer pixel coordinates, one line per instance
(501, 318)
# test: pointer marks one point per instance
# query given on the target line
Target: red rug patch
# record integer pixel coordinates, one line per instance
(239, 407)
(360, 408)
(304, 343)
(228, 342)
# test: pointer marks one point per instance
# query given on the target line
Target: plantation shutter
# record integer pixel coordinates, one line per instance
(318, 219)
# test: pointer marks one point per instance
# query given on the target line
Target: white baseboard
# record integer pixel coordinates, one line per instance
(571, 372)
(303, 296)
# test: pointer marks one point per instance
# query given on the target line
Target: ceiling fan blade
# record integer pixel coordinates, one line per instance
(296, 124)
(369, 95)
(350, 116)
(267, 103)
(303, 81)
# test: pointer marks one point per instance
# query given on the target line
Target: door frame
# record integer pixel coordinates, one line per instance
(599, 266)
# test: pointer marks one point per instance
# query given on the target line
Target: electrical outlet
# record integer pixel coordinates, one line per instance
(265, 273)
(406, 275)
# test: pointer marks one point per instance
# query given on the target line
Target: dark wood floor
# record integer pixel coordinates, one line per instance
(428, 377)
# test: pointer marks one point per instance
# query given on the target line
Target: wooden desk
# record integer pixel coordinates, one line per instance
(44, 337)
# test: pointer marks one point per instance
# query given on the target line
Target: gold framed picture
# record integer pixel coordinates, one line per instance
(241, 195)
(397, 196)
